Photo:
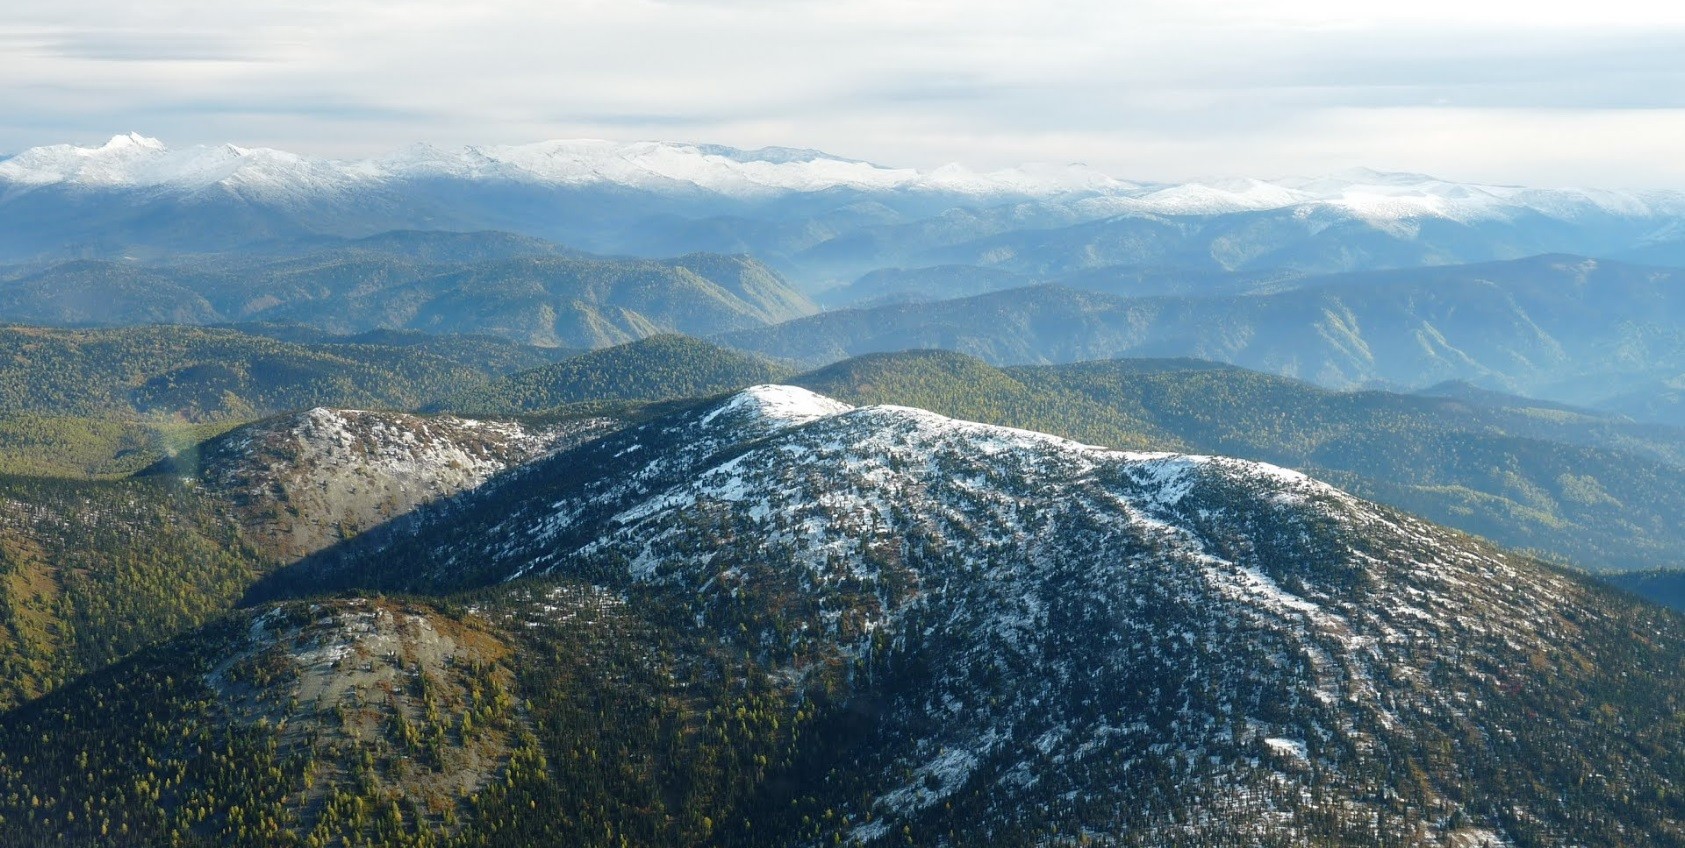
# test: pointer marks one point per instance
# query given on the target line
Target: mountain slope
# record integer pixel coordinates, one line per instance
(1573, 485)
(960, 386)
(1593, 491)
(1055, 640)
(663, 367)
(91, 571)
(212, 374)
(301, 482)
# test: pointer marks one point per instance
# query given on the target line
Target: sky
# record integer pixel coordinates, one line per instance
(1540, 93)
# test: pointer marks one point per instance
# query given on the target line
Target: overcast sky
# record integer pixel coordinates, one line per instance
(1545, 93)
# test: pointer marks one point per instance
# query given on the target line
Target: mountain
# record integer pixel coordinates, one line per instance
(1575, 486)
(818, 217)
(1572, 484)
(1590, 490)
(485, 353)
(1562, 328)
(90, 571)
(493, 285)
(1661, 399)
(777, 619)
(664, 367)
(1462, 390)
(140, 162)
(915, 285)
(107, 403)
(567, 302)
(303, 481)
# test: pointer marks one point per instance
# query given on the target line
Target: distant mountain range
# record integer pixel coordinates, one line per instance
(949, 282)
(1571, 329)
(1587, 332)
(818, 217)
(493, 284)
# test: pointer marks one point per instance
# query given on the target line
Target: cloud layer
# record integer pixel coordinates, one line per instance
(1546, 93)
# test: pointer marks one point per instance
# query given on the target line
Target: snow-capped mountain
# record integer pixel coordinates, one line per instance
(1056, 642)
(134, 161)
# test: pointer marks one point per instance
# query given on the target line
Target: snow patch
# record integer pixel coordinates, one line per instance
(780, 406)
(1291, 747)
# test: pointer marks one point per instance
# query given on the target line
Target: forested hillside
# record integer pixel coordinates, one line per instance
(664, 367)
(209, 374)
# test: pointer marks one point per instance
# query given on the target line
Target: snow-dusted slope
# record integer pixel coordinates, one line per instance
(1167, 649)
(307, 480)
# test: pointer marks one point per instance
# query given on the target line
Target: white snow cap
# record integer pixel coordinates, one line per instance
(780, 406)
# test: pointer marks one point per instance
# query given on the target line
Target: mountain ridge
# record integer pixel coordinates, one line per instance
(495, 284)
(133, 160)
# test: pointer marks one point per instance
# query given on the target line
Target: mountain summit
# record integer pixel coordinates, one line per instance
(1055, 640)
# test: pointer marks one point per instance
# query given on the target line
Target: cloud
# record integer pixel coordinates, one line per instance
(1144, 88)
(151, 47)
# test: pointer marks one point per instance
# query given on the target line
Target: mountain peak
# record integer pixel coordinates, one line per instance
(776, 406)
(126, 141)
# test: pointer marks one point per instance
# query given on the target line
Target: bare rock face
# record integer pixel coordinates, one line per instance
(304, 481)
(374, 693)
